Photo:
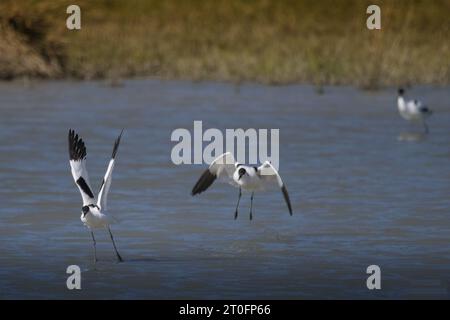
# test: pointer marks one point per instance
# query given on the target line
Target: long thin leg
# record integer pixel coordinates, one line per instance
(114, 244)
(237, 205)
(425, 126)
(95, 248)
(251, 206)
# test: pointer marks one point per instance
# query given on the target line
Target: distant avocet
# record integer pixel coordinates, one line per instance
(413, 110)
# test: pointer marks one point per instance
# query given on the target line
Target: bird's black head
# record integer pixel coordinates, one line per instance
(85, 210)
(241, 172)
(401, 91)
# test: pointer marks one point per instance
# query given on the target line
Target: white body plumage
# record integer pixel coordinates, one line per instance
(94, 218)
(250, 181)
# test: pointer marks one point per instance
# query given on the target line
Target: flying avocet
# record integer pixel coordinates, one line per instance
(245, 178)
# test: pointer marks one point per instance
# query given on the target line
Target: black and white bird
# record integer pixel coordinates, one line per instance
(412, 110)
(245, 178)
(93, 212)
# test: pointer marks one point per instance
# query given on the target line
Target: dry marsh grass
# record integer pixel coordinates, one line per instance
(306, 41)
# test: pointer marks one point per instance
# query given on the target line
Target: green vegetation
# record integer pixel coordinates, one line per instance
(307, 41)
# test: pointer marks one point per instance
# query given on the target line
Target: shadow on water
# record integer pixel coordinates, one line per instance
(172, 259)
(412, 136)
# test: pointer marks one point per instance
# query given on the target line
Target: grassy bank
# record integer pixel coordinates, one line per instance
(320, 42)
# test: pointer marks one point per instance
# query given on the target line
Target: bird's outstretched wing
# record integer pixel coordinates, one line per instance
(77, 155)
(222, 167)
(106, 183)
(268, 173)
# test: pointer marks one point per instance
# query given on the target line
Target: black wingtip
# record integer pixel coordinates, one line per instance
(206, 179)
(286, 198)
(116, 145)
(77, 149)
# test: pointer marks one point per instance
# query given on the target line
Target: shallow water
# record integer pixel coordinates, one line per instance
(366, 188)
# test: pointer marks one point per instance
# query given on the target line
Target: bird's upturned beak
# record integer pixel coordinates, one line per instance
(240, 176)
